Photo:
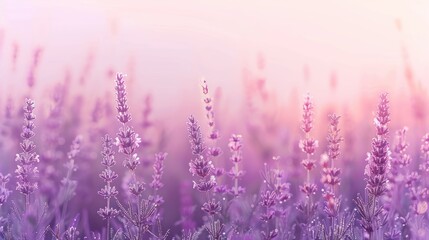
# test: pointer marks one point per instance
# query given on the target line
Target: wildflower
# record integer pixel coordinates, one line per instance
(211, 207)
(121, 99)
(108, 175)
(307, 116)
(26, 171)
(4, 192)
(377, 168)
(235, 173)
(127, 139)
(380, 155)
(424, 149)
(308, 145)
(158, 170)
(200, 166)
(205, 186)
(195, 136)
(208, 101)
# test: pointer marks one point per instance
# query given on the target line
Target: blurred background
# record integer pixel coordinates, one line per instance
(259, 59)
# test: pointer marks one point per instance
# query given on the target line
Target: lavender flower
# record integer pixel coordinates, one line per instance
(195, 137)
(26, 170)
(398, 173)
(158, 171)
(127, 139)
(208, 101)
(213, 151)
(141, 213)
(202, 167)
(372, 214)
(4, 191)
(424, 149)
(211, 207)
(379, 158)
(308, 145)
(121, 99)
(235, 146)
(273, 200)
(108, 176)
(330, 174)
(68, 185)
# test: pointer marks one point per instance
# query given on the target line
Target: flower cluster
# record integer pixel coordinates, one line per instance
(26, 170)
(199, 166)
(121, 99)
(424, 149)
(108, 176)
(398, 173)
(379, 158)
(4, 191)
(273, 199)
(203, 168)
(308, 145)
(235, 145)
(158, 171)
(378, 163)
(127, 139)
(330, 173)
(213, 151)
(208, 101)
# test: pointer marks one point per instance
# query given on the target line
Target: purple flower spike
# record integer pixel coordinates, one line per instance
(121, 99)
(379, 158)
(307, 115)
(108, 175)
(4, 192)
(195, 137)
(158, 171)
(26, 171)
(235, 145)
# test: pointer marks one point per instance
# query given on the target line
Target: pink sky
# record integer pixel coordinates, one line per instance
(167, 47)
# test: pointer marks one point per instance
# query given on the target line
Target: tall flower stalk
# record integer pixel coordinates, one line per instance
(140, 212)
(127, 139)
(201, 167)
(4, 191)
(26, 170)
(308, 145)
(108, 191)
(330, 173)
(156, 184)
(235, 145)
(273, 199)
(213, 151)
(371, 212)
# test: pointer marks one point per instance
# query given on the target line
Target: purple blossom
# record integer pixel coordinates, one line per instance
(308, 145)
(108, 176)
(235, 145)
(379, 158)
(208, 101)
(334, 139)
(211, 207)
(195, 137)
(4, 191)
(424, 149)
(158, 170)
(26, 170)
(205, 185)
(307, 115)
(121, 99)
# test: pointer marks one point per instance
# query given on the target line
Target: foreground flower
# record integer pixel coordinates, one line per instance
(26, 170)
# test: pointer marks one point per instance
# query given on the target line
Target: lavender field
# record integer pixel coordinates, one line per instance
(156, 121)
